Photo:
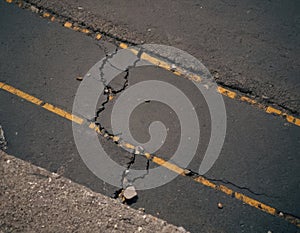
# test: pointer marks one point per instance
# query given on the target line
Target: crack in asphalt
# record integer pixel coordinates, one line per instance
(115, 39)
(109, 91)
(262, 99)
(225, 181)
(193, 174)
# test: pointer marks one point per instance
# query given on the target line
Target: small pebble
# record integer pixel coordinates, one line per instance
(220, 206)
(130, 192)
(79, 78)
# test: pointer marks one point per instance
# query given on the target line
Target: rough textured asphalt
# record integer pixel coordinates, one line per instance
(260, 155)
(251, 46)
(48, 202)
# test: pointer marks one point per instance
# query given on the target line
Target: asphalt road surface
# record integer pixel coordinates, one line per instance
(260, 156)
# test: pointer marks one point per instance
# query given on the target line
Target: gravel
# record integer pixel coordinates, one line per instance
(35, 200)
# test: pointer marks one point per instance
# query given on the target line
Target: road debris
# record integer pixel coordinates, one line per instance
(79, 78)
(173, 67)
(281, 214)
(188, 172)
(220, 205)
(138, 150)
(129, 193)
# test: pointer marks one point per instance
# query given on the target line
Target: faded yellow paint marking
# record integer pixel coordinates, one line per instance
(291, 119)
(63, 113)
(20, 93)
(115, 138)
(226, 190)
(84, 30)
(273, 110)
(128, 145)
(75, 28)
(92, 126)
(297, 121)
(168, 165)
(195, 78)
(247, 99)
(123, 46)
(97, 129)
(155, 61)
(255, 203)
(68, 25)
(98, 36)
(205, 182)
(37, 101)
(46, 15)
(227, 92)
(147, 155)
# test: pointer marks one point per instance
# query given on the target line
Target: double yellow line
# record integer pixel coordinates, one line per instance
(172, 167)
(224, 91)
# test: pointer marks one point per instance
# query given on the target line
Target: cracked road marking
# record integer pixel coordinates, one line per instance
(180, 72)
(199, 179)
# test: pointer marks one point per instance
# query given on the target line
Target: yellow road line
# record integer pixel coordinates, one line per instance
(224, 91)
(63, 113)
(172, 167)
(180, 72)
(227, 92)
(36, 101)
(159, 161)
(21, 94)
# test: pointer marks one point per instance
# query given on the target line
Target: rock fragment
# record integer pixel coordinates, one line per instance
(220, 205)
(129, 193)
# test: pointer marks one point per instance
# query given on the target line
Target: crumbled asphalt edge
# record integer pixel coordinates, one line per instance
(3, 142)
(33, 199)
(115, 34)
